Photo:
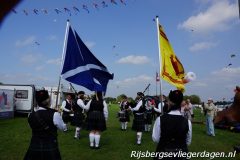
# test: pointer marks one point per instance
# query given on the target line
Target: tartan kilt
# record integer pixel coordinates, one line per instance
(148, 118)
(78, 119)
(138, 123)
(125, 118)
(66, 117)
(43, 149)
(96, 121)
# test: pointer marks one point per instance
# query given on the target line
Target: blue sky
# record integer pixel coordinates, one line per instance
(203, 33)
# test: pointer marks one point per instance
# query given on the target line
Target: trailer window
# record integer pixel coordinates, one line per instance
(22, 94)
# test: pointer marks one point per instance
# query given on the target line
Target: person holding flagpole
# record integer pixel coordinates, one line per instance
(97, 115)
(81, 67)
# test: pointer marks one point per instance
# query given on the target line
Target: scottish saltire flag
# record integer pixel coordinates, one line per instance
(80, 66)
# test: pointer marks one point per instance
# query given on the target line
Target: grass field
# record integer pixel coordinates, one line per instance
(115, 144)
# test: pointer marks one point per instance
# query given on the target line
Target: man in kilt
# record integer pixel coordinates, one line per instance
(67, 109)
(172, 131)
(78, 117)
(44, 123)
(138, 121)
(124, 117)
(96, 119)
(149, 104)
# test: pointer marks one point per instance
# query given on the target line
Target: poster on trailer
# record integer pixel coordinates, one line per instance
(6, 103)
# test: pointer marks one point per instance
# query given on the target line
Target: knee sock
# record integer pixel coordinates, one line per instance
(91, 139)
(149, 127)
(125, 125)
(146, 127)
(77, 132)
(139, 137)
(122, 125)
(97, 140)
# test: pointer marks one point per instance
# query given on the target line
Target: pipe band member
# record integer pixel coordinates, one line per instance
(172, 131)
(124, 116)
(96, 119)
(67, 109)
(149, 104)
(44, 123)
(78, 117)
(138, 121)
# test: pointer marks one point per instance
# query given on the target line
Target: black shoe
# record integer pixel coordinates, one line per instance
(97, 147)
(92, 147)
(237, 149)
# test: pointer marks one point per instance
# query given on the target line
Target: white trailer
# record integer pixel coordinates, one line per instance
(24, 97)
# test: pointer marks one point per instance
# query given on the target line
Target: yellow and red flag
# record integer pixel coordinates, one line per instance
(172, 69)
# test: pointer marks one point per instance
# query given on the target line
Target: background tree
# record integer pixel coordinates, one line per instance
(120, 97)
(195, 99)
(111, 100)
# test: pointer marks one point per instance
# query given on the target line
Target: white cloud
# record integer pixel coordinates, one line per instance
(134, 60)
(39, 68)
(217, 84)
(30, 58)
(227, 74)
(28, 41)
(217, 17)
(90, 44)
(202, 46)
(203, 1)
(198, 84)
(134, 80)
(52, 37)
(56, 61)
(24, 78)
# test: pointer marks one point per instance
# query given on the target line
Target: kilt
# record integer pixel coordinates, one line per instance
(138, 122)
(43, 149)
(124, 116)
(148, 117)
(96, 121)
(77, 119)
(66, 117)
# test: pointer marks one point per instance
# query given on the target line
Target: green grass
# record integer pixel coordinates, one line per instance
(115, 144)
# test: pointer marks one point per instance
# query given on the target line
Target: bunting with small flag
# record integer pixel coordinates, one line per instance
(172, 69)
(80, 66)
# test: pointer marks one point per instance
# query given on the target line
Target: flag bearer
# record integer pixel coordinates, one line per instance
(96, 119)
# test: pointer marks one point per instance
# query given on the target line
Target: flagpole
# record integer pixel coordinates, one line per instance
(156, 87)
(160, 71)
(63, 56)
(156, 81)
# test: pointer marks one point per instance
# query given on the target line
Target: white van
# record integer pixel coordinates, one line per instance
(24, 96)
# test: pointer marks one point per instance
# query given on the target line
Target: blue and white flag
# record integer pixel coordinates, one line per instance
(80, 66)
